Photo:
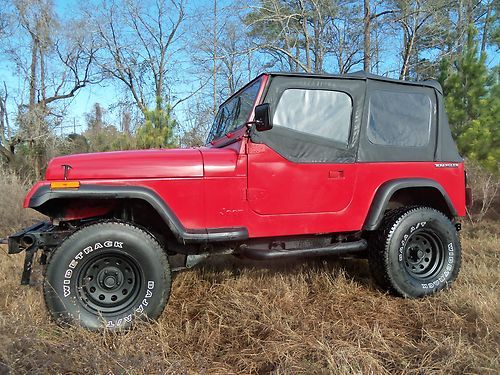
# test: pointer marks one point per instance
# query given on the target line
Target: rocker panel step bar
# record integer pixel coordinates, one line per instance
(340, 248)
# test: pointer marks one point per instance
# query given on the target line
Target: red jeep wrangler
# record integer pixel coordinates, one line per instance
(295, 166)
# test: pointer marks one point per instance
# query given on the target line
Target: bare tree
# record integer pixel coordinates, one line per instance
(416, 19)
(371, 14)
(214, 58)
(139, 40)
(224, 55)
(3, 22)
(7, 143)
(308, 33)
(345, 36)
(276, 28)
(56, 58)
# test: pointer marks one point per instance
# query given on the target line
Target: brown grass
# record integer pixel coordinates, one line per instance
(12, 214)
(322, 316)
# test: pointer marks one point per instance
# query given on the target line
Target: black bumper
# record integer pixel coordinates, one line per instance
(40, 235)
(29, 236)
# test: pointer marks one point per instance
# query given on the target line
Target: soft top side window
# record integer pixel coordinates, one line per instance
(401, 119)
(322, 113)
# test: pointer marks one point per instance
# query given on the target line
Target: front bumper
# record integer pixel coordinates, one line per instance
(28, 237)
(42, 235)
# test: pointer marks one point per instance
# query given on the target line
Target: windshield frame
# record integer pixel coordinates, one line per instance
(213, 138)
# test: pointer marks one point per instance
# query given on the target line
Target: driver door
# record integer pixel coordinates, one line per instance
(306, 162)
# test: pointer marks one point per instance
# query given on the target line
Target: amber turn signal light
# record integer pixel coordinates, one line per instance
(65, 185)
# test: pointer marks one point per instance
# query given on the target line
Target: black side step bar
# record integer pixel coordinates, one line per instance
(340, 248)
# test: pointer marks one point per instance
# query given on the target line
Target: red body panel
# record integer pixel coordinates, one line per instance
(128, 164)
(249, 185)
(227, 204)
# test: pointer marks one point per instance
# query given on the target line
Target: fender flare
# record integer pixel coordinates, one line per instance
(105, 192)
(387, 190)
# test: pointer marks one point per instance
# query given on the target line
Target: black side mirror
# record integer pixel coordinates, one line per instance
(262, 117)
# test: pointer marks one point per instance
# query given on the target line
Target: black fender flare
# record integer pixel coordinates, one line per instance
(105, 192)
(387, 190)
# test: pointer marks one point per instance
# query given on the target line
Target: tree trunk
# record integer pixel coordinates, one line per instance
(215, 60)
(367, 19)
(42, 78)
(377, 49)
(159, 89)
(406, 56)
(307, 41)
(317, 45)
(486, 27)
(5, 147)
(34, 58)
(297, 57)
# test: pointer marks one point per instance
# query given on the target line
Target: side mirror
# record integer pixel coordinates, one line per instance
(262, 117)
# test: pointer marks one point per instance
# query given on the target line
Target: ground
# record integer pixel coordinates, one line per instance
(321, 316)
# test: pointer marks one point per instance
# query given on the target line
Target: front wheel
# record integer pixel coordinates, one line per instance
(415, 252)
(106, 275)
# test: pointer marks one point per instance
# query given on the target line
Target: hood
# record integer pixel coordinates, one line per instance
(127, 165)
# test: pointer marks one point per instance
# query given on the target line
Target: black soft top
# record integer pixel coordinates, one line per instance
(362, 75)
(367, 92)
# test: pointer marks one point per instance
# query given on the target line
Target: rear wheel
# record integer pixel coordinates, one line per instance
(415, 252)
(107, 275)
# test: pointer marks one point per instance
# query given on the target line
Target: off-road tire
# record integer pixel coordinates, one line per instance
(415, 252)
(107, 275)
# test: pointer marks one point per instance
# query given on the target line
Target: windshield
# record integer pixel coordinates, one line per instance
(234, 112)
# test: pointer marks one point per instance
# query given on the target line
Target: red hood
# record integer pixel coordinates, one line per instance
(128, 165)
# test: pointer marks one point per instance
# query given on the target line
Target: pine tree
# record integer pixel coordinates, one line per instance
(481, 139)
(472, 102)
(157, 131)
(464, 86)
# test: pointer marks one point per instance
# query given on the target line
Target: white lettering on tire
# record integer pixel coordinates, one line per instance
(138, 310)
(447, 270)
(419, 225)
(78, 257)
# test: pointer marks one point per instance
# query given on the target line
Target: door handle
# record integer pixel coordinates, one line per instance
(336, 175)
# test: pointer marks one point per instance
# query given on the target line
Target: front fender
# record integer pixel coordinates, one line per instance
(43, 199)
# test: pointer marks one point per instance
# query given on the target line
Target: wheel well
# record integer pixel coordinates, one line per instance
(407, 192)
(420, 196)
(134, 210)
(140, 212)
(107, 198)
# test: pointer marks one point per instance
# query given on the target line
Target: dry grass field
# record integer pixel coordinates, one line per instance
(321, 316)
